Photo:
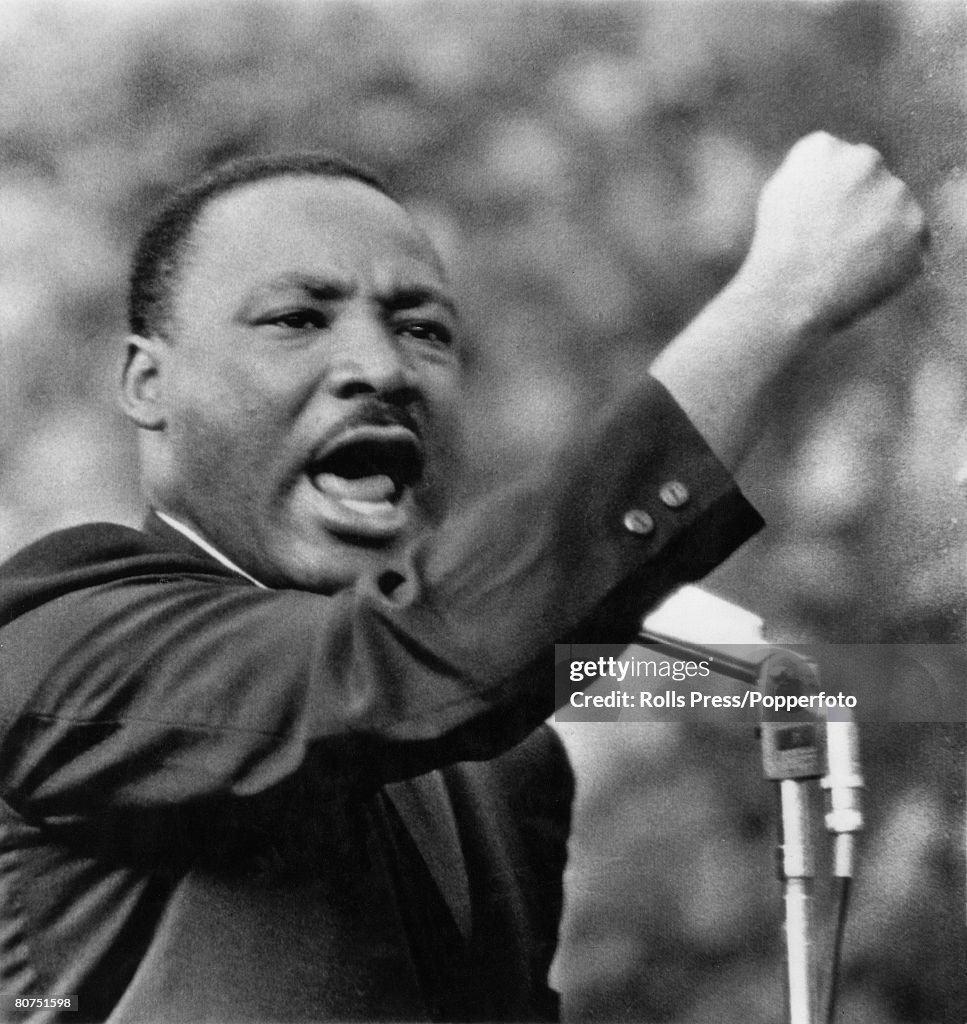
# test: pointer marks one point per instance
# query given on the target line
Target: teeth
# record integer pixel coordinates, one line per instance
(367, 508)
(367, 491)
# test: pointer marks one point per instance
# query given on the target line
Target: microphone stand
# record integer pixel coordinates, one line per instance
(793, 749)
(792, 757)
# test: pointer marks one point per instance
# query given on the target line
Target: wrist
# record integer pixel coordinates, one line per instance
(785, 301)
(724, 368)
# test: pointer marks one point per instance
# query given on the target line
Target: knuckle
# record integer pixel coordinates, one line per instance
(896, 192)
(894, 196)
(920, 226)
(821, 138)
(863, 163)
(915, 213)
(868, 154)
(814, 142)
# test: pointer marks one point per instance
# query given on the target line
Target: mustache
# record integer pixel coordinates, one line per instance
(377, 412)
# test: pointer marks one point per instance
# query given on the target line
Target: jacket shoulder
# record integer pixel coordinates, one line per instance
(86, 556)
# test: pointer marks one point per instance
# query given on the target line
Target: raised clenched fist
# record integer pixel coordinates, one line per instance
(836, 233)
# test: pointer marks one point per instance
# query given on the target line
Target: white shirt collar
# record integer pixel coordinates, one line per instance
(200, 541)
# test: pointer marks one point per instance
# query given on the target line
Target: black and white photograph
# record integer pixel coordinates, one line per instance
(483, 489)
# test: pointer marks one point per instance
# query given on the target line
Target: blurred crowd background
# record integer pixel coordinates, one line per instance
(591, 171)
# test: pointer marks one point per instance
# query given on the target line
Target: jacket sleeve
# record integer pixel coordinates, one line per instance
(133, 680)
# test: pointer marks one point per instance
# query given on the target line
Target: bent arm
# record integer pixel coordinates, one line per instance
(137, 679)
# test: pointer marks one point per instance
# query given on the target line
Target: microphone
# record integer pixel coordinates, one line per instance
(694, 624)
(692, 613)
(843, 782)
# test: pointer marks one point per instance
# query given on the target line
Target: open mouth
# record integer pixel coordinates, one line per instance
(365, 477)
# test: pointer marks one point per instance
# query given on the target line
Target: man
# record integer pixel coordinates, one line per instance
(279, 756)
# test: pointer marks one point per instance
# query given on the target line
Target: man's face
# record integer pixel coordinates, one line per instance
(310, 381)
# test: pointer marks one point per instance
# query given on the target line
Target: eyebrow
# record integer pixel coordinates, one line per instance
(420, 295)
(328, 288)
(334, 288)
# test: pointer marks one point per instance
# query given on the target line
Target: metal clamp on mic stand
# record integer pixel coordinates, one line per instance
(796, 749)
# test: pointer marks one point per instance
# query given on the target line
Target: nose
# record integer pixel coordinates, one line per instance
(369, 360)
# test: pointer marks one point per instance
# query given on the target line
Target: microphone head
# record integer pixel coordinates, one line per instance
(696, 616)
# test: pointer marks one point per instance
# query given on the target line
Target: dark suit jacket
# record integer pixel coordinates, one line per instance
(198, 817)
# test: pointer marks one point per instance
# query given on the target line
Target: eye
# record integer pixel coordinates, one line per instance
(427, 330)
(298, 319)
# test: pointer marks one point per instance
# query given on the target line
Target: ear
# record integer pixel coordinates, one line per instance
(141, 382)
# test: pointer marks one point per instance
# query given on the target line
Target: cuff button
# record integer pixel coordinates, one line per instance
(674, 494)
(637, 520)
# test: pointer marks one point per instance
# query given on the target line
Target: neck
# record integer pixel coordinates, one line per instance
(196, 538)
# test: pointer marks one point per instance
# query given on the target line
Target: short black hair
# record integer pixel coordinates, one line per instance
(160, 249)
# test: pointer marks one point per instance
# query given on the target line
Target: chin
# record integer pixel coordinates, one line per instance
(330, 567)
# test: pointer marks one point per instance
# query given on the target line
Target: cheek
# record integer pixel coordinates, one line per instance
(229, 413)
(227, 451)
(445, 440)
(443, 386)
(206, 449)
(447, 399)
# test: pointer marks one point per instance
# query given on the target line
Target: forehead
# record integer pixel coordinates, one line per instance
(312, 224)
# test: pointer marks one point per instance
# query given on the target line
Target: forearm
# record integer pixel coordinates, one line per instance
(724, 369)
